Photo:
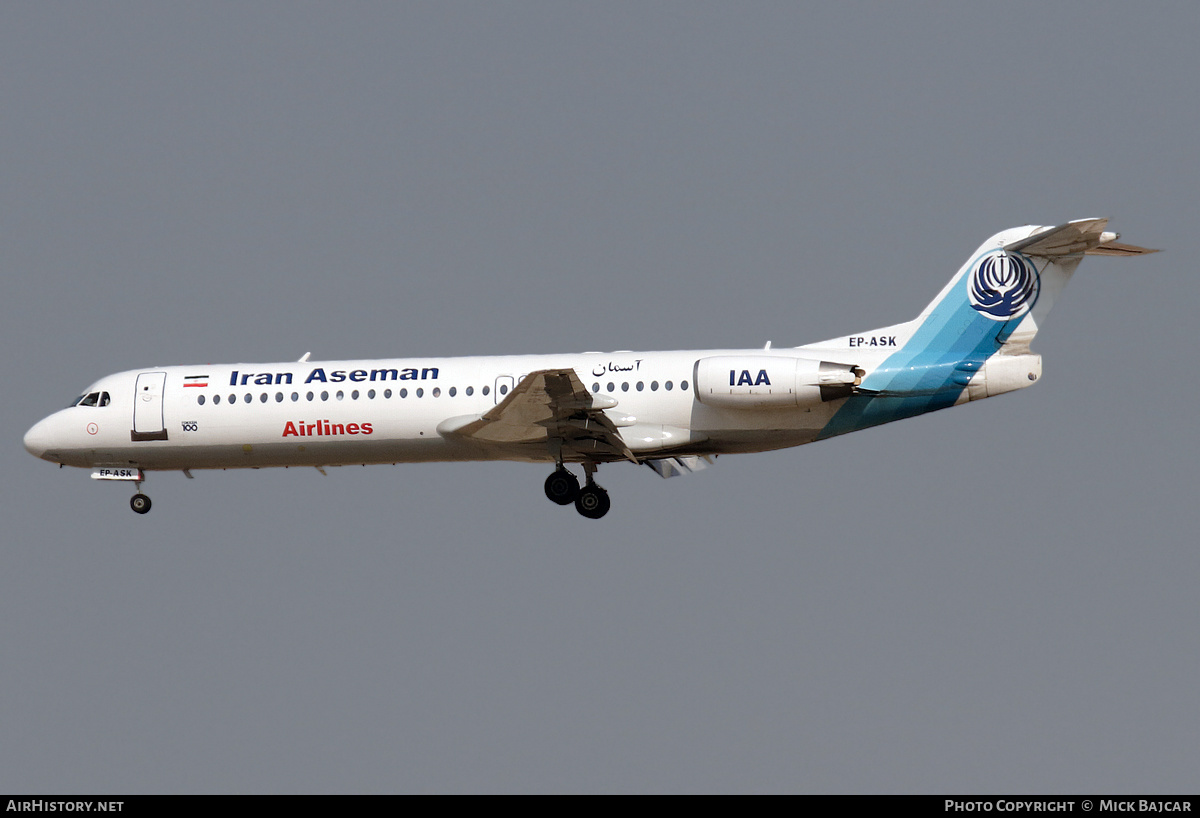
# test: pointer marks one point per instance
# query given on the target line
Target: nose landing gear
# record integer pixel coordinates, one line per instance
(139, 502)
(591, 501)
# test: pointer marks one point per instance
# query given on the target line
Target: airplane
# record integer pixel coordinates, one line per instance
(672, 411)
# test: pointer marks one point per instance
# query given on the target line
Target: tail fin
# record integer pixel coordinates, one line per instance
(972, 341)
(1005, 291)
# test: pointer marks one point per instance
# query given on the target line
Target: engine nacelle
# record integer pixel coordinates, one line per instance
(771, 381)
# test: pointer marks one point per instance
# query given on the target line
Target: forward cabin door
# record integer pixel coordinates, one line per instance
(148, 407)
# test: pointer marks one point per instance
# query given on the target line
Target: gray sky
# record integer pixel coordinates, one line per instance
(996, 598)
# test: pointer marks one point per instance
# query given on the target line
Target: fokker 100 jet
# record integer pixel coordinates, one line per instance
(671, 411)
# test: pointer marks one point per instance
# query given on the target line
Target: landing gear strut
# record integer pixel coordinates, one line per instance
(591, 501)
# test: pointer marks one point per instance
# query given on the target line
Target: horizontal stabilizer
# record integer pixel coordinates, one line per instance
(1082, 236)
(1114, 248)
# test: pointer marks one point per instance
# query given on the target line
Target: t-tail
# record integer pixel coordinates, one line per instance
(972, 341)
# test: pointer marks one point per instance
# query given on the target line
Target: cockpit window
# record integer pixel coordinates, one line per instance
(92, 399)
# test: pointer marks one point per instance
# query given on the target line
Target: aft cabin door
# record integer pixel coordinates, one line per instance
(148, 407)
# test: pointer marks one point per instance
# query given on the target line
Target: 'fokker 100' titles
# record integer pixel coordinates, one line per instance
(670, 411)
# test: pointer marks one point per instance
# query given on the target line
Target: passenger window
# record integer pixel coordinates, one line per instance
(232, 399)
(247, 397)
(683, 385)
(640, 386)
(625, 386)
(324, 396)
(595, 387)
(404, 393)
(667, 386)
(295, 397)
(503, 389)
(279, 397)
(200, 399)
(263, 398)
(470, 391)
(487, 389)
(341, 395)
(653, 386)
(437, 391)
(216, 399)
(354, 395)
(387, 393)
(453, 391)
(371, 394)
(309, 396)
(420, 393)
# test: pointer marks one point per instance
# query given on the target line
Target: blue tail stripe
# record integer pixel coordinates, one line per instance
(920, 377)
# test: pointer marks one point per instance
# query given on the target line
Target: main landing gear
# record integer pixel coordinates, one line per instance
(562, 487)
(591, 501)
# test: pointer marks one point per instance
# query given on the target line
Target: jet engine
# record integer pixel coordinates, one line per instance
(771, 381)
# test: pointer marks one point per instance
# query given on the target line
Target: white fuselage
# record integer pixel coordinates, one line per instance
(389, 410)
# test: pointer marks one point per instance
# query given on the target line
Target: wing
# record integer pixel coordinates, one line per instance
(550, 408)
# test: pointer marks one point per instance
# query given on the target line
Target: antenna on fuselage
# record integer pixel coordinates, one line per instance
(304, 358)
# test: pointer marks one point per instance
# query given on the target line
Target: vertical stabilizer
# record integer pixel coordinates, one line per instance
(972, 341)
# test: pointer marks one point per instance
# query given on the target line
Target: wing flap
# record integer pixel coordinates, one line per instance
(669, 467)
(550, 407)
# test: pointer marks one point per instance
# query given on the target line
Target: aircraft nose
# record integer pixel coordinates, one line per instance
(37, 439)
